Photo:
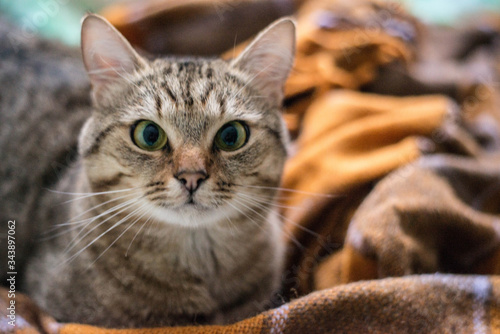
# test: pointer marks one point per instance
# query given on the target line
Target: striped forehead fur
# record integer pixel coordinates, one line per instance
(191, 97)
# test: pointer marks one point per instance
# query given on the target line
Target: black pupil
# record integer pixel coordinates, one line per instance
(150, 134)
(229, 135)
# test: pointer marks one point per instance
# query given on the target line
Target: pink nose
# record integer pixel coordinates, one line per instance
(191, 180)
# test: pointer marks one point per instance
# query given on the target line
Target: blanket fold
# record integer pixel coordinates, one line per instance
(413, 304)
(439, 214)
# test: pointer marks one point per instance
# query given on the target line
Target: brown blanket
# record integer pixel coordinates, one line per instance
(414, 304)
(391, 204)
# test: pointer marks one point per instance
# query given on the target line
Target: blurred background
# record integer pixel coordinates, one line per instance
(60, 19)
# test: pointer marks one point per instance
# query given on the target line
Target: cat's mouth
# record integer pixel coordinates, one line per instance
(189, 212)
(192, 204)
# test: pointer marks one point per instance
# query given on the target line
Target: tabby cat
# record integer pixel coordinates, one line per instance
(166, 217)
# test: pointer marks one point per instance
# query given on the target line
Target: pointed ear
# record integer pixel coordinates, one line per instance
(107, 55)
(269, 58)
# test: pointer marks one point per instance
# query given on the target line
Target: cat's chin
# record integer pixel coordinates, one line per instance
(190, 215)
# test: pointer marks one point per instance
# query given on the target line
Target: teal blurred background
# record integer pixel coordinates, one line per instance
(60, 19)
(449, 12)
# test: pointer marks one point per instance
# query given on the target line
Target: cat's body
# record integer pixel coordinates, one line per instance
(171, 218)
(170, 275)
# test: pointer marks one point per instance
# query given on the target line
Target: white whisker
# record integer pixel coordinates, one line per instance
(288, 220)
(98, 237)
(86, 195)
(266, 201)
(78, 222)
(290, 190)
(124, 231)
(244, 214)
(74, 226)
(231, 224)
(264, 217)
(121, 207)
(137, 233)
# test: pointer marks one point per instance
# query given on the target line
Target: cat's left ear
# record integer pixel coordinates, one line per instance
(269, 58)
(107, 55)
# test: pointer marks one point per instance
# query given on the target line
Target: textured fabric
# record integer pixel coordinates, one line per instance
(348, 141)
(439, 214)
(343, 44)
(413, 304)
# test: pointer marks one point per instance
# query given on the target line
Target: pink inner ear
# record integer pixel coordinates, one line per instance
(270, 57)
(106, 54)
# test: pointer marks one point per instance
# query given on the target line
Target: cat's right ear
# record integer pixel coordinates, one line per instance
(269, 58)
(107, 55)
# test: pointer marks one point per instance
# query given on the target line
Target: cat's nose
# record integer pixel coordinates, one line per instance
(191, 180)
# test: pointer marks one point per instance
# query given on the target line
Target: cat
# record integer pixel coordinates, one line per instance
(166, 216)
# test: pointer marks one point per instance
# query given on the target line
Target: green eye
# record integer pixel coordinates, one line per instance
(148, 136)
(232, 136)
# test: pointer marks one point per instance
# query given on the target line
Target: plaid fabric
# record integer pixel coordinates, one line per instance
(414, 304)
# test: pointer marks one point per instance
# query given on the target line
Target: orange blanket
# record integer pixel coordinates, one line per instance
(423, 304)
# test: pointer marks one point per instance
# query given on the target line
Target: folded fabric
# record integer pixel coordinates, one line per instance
(413, 304)
(348, 141)
(343, 44)
(439, 214)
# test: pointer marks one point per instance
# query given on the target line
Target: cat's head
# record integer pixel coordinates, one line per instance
(192, 140)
